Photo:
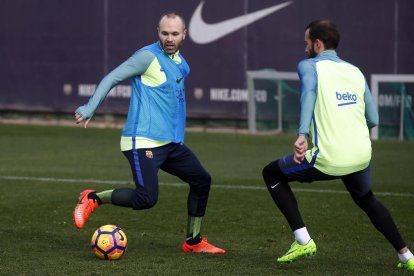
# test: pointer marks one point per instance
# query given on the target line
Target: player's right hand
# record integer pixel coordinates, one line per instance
(299, 149)
(79, 119)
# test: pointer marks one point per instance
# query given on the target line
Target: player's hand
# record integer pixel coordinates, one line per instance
(79, 119)
(299, 149)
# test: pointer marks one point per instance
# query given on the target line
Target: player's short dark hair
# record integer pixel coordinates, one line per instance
(326, 31)
(172, 14)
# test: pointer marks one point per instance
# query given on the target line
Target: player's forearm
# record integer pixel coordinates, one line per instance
(124, 71)
(136, 65)
(307, 104)
(308, 84)
(371, 113)
(87, 110)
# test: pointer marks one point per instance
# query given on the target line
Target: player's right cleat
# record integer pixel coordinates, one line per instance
(202, 247)
(409, 265)
(298, 251)
(84, 208)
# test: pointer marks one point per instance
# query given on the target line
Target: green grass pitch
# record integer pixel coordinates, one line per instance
(43, 169)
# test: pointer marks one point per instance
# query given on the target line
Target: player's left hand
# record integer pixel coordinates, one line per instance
(299, 149)
(80, 119)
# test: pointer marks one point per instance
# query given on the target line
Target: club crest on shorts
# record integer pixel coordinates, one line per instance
(148, 153)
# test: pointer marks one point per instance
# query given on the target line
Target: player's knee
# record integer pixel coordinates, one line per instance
(272, 173)
(151, 203)
(142, 205)
(202, 184)
(206, 178)
(267, 172)
(364, 201)
(205, 182)
(144, 201)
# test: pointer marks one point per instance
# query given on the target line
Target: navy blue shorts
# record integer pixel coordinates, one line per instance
(175, 159)
(358, 182)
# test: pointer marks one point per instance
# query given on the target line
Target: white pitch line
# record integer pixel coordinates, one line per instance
(170, 184)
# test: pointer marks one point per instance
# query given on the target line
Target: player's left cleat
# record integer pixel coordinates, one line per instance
(84, 208)
(409, 265)
(202, 247)
(298, 251)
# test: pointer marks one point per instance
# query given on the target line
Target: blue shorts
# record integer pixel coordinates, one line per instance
(175, 159)
(358, 182)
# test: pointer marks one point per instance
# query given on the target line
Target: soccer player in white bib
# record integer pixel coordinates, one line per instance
(337, 111)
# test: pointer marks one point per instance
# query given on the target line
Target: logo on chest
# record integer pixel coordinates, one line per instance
(346, 98)
(180, 95)
(148, 153)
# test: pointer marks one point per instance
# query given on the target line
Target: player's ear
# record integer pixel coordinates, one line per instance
(319, 44)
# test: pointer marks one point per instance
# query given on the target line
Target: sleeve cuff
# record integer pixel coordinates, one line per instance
(304, 134)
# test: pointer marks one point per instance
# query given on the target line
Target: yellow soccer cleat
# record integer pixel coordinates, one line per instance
(298, 251)
(409, 265)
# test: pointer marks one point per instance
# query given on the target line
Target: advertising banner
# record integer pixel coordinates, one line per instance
(54, 53)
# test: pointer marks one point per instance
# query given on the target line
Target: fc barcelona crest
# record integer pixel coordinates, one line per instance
(148, 153)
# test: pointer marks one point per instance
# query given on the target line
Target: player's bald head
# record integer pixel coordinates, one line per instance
(172, 15)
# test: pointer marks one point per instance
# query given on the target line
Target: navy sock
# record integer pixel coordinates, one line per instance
(95, 197)
(193, 241)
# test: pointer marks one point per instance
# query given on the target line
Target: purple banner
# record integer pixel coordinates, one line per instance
(54, 53)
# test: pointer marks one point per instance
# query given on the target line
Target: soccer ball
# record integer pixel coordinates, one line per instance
(109, 242)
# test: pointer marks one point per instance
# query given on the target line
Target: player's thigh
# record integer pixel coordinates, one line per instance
(183, 163)
(359, 182)
(302, 172)
(144, 167)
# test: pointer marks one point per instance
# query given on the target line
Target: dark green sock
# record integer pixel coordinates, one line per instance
(193, 230)
(105, 196)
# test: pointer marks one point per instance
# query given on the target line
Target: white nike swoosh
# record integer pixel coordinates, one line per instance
(202, 32)
(274, 186)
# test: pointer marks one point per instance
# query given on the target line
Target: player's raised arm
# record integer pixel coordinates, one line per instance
(135, 65)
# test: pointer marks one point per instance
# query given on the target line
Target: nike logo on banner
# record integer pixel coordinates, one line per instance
(203, 33)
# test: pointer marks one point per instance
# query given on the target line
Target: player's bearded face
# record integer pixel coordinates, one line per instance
(171, 32)
(310, 46)
(311, 53)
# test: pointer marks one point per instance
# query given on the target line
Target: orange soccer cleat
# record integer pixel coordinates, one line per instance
(84, 208)
(202, 247)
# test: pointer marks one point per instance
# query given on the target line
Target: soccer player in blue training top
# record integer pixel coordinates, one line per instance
(337, 109)
(153, 136)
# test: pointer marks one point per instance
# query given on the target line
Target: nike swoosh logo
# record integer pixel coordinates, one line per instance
(203, 33)
(274, 186)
